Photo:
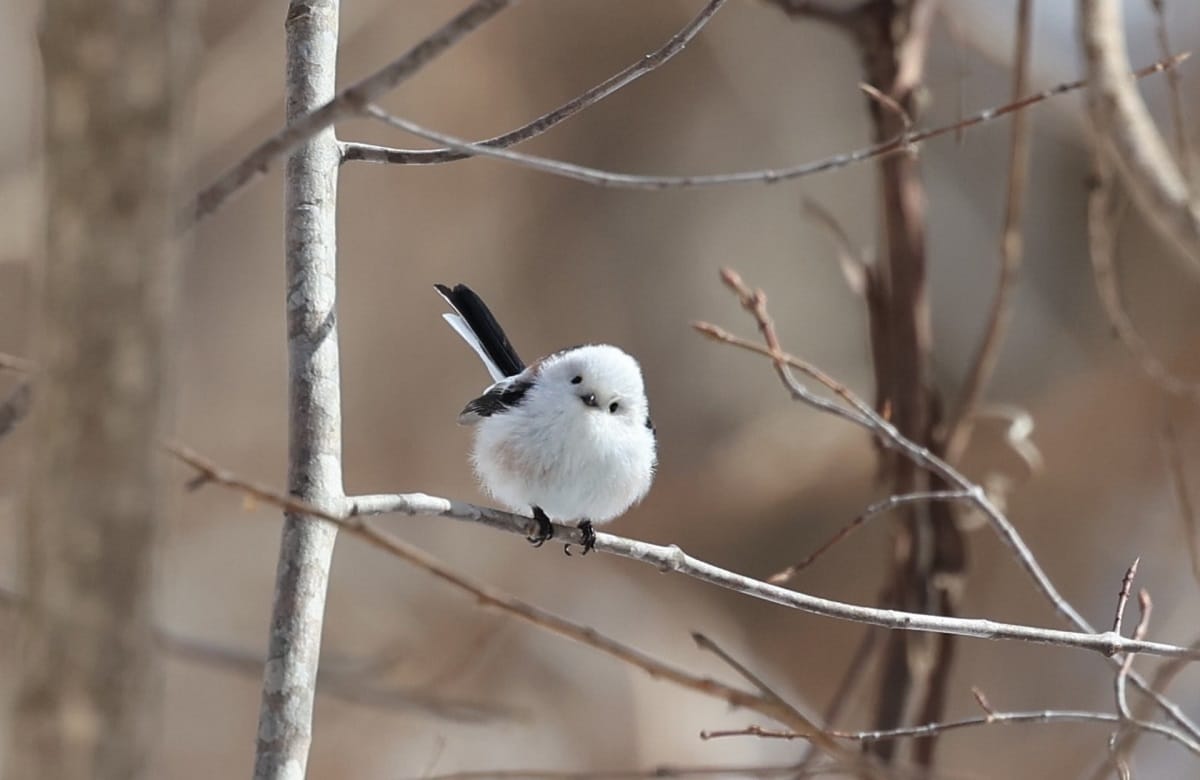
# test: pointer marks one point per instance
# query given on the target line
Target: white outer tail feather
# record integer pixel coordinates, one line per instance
(463, 329)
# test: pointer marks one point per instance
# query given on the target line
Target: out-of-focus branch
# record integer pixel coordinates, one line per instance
(1183, 147)
(349, 518)
(1102, 221)
(354, 151)
(1126, 132)
(983, 366)
(347, 686)
(14, 407)
(344, 104)
(1178, 474)
(602, 178)
(117, 80)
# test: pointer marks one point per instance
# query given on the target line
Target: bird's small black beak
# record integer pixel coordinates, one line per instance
(589, 400)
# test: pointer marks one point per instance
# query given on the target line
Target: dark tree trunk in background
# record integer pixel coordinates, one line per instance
(88, 700)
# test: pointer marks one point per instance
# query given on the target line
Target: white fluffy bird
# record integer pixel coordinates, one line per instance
(568, 436)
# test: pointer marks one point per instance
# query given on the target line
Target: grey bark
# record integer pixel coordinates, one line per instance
(314, 401)
(88, 700)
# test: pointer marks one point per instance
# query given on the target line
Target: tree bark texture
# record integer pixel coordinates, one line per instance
(314, 401)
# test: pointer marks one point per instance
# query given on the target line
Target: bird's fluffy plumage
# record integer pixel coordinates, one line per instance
(569, 434)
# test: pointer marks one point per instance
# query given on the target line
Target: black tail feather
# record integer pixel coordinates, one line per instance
(472, 309)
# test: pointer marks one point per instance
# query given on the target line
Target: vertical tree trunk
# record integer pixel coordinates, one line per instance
(315, 447)
(88, 700)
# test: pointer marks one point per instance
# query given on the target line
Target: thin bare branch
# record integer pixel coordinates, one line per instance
(1127, 135)
(602, 178)
(353, 151)
(1123, 594)
(665, 558)
(874, 510)
(346, 103)
(350, 520)
(983, 366)
(992, 719)
(1183, 494)
(855, 265)
(1102, 249)
(1119, 752)
(890, 437)
(1183, 147)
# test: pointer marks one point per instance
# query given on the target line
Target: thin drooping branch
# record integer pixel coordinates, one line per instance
(983, 366)
(314, 399)
(1180, 484)
(1103, 219)
(344, 104)
(354, 151)
(900, 144)
(791, 771)
(669, 558)
(1127, 135)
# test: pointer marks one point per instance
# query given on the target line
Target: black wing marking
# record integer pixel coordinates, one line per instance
(480, 319)
(499, 398)
(650, 424)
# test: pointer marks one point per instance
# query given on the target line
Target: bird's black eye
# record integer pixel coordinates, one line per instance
(576, 380)
(613, 407)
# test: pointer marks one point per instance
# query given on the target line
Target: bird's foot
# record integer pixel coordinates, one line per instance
(544, 530)
(589, 538)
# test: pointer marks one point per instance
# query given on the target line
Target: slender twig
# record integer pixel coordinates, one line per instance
(1183, 494)
(1102, 220)
(596, 176)
(665, 558)
(346, 103)
(1118, 750)
(855, 265)
(353, 151)
(890, 437)
(812, 731)
(1127, 135)
(853, 676)
(1123, 594)
(878, 508)
(1183, 147)
(350, 520)
(987, 355)
(982, 700)
(990, 719)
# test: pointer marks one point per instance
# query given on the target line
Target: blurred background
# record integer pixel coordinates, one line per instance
(748, 479)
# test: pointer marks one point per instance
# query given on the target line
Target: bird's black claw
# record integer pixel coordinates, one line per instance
(589, 536)
(544, 531)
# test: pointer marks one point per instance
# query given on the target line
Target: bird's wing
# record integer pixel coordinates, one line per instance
(497, 399)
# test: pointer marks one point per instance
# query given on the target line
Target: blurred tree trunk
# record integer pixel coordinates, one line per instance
(88, 699)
